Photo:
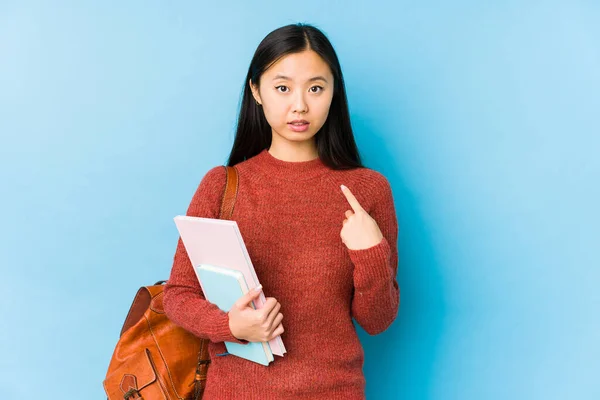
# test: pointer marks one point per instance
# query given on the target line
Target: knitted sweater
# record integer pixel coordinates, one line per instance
(290, 216)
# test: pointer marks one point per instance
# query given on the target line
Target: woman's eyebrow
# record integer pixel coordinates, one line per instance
(315, 78)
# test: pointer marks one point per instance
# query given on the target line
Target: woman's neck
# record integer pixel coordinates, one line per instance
(294, 152)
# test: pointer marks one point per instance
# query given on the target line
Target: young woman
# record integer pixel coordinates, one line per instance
(320, 229)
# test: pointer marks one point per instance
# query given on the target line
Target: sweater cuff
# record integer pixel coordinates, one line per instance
(223, 331)
(372, 262)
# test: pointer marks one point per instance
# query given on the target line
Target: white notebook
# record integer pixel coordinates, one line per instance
(219, 242)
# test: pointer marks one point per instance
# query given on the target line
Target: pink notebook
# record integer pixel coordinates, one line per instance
(219, 242)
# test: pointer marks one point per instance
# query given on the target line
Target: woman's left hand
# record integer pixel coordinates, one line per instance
(359, 230)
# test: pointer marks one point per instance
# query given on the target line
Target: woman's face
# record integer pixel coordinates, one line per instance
(297, 87)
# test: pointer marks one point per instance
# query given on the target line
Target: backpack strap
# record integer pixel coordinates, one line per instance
(230, 194)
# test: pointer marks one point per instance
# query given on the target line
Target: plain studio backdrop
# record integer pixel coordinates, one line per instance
(484, 116)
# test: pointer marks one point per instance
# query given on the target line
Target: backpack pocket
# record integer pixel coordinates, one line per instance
(135, 379)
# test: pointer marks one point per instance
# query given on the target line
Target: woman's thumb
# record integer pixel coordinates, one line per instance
(248, 297)
(255, 292)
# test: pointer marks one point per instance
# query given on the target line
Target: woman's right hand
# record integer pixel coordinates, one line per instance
(254, 325)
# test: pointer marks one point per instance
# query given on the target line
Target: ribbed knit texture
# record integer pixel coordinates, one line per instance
(290, 215)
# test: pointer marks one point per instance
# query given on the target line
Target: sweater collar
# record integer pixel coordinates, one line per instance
(289, 170)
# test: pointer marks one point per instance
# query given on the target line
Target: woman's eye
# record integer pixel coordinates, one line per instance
(319, 89)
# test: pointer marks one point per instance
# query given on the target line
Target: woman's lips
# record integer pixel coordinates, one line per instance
(296, 127)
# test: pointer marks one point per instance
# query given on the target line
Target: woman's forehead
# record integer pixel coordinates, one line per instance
(301, 67)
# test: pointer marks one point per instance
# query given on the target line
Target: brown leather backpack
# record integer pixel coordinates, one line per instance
(154, 358)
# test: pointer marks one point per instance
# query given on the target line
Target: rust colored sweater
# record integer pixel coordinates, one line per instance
(290, 215)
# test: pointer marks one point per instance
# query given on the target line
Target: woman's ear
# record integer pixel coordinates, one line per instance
(255, 92)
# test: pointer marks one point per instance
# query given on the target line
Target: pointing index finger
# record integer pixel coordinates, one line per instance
(351, 199)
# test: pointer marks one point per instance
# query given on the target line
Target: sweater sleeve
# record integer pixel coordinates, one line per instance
(184, 301)
(376, 293)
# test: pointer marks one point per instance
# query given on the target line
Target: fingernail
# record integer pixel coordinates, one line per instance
(343, 187)
(258, 288)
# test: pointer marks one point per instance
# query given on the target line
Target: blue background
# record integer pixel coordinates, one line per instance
(484, 116)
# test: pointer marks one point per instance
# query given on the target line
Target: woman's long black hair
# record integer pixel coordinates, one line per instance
(335, 140)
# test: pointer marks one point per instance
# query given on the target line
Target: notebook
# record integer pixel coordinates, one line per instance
(223, 287)
(219, 242)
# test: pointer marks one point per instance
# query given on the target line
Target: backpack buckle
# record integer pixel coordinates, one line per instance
(132, 394)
